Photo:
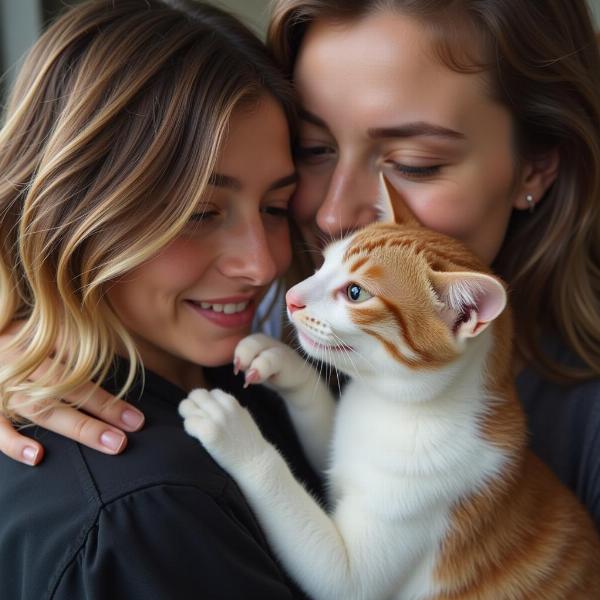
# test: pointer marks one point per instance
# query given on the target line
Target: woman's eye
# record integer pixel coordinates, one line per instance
(283, 212)
(313, 154)
(357, 294)
(203, 216)
(415, 172)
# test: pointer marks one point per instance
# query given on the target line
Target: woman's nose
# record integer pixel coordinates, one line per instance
(249, 255)
(350, 201)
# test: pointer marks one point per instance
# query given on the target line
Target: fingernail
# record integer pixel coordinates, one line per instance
(112, 441)
(29, 455)
(132, 418)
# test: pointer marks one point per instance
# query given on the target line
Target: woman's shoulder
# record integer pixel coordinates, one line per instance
(164, 499)
(568, 409)
(564, 428)
(122, 529)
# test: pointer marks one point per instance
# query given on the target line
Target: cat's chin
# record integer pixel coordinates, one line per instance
(319, 349)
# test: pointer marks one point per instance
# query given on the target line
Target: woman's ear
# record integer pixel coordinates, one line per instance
(537, 176)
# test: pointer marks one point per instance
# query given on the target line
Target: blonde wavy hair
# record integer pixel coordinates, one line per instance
(111, 134)
(543, 63)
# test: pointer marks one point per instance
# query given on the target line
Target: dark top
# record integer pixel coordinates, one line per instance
(162, 521)
(564, 425)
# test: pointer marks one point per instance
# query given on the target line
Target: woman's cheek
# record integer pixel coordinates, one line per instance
(281, 250)
(304, 207)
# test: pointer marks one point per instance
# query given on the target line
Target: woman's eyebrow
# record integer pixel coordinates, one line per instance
(419, 128)
(282, 182)
(224, 181)
(232, 183)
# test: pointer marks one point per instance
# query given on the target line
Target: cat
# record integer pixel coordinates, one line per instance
(432, 490)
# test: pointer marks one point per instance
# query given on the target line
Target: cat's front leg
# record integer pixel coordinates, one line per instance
(225, 429)
(308, 399)
(300, 531)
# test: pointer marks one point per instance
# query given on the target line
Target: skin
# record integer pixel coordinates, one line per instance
(441, 141)
(451, 159)
(234, 247)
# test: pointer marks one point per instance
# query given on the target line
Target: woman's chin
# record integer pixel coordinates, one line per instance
(218, 353)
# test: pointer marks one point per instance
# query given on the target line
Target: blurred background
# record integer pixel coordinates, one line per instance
(22, 20)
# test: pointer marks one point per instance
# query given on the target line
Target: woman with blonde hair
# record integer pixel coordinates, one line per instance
(146, 173)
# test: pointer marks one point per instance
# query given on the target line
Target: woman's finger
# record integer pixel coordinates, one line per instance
(79, 427)
(17, 446)
(94, 400)
(99, 403)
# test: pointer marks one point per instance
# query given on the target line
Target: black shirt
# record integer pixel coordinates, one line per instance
(564, 425)
(162, 521)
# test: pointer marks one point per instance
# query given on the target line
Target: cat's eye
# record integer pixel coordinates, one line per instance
(357, 294)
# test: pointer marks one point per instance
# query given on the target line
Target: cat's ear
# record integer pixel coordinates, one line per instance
(468, 302)
(395, 210)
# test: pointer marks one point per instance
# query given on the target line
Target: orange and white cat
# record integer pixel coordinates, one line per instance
(432, 492)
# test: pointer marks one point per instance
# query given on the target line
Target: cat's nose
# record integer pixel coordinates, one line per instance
(293, 301)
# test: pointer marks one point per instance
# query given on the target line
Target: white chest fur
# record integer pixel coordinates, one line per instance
(397, 470)
(403, 452)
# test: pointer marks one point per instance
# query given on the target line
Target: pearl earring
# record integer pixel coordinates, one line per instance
(530, 202)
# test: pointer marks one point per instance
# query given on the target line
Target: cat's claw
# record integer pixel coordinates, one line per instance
(250, 348)
(253, 375)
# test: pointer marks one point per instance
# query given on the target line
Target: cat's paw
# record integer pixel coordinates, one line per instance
(225, 429)
(269, 361)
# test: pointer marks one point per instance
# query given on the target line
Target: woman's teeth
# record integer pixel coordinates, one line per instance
(228, 309)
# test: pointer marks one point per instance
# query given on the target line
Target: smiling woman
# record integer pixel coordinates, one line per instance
(146, 175)
(190, 304)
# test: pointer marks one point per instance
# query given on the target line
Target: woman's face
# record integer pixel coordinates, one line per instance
(193, 302)
(376, 99)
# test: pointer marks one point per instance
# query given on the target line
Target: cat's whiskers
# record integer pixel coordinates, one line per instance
(311, 362)
(328, 358)
(347, 352)
(352, 349)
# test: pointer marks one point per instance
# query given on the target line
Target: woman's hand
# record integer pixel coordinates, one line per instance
(101, 427)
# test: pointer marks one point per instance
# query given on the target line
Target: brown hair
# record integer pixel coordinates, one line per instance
(544, 66)
(111, 134)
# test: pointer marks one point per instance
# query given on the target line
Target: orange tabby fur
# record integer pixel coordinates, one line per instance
(525, 535)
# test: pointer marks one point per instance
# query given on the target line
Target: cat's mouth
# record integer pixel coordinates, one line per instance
(315, 345)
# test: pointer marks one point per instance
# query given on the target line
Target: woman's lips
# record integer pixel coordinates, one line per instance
(228, 312)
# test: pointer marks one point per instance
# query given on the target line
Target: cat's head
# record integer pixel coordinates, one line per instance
(394, 294)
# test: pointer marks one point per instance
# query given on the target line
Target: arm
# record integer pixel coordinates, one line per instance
(171, 542)
(101, 427)
(309, 401)
(333, 557)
